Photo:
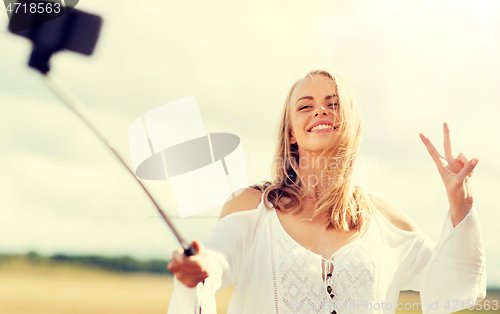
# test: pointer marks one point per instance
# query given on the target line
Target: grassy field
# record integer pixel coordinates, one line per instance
(50, 289)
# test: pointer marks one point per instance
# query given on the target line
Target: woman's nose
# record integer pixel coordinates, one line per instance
(321, 110)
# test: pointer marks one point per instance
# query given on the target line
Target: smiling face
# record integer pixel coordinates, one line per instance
(313, 112)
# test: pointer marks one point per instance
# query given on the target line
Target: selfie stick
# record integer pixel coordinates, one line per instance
(76, 31)
(82, 111)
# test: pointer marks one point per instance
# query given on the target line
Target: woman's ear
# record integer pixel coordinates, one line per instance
(292, 138)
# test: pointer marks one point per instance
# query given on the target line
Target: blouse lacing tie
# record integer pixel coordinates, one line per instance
(328, 280)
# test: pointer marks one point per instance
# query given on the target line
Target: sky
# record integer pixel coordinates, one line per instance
(411, 64)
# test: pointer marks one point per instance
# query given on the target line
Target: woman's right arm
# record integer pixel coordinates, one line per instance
(194, 269)
(220, 263)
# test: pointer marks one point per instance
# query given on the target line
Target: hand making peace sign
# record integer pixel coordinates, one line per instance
(456, 174)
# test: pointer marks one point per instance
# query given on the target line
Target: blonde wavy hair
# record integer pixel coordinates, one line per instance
(347, 206)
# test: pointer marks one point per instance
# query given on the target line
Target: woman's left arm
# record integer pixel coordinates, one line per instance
(456, 174)
(456, 268)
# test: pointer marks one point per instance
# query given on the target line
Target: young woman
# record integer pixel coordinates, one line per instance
(310, 242)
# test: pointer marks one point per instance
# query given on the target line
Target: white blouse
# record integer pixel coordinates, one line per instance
(272, 273)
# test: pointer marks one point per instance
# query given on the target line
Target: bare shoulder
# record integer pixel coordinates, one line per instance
(243, 199)
(393, 213)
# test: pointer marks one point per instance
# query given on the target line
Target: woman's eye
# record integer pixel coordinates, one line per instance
(336, 105)
(304, 107)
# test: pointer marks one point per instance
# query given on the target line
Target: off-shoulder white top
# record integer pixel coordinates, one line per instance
(272, 273)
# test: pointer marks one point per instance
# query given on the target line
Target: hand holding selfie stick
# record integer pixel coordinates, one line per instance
(78, 31)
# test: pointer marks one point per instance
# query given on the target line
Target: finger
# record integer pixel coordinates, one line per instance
(178, 256)
(195, 275)
(447, 142)
(170, 265)
(432, 151)
(189, 281)
(197, 245)
(180, 260)
(468, 168)
(174, 264)
(186, 268)
(198, 275)
(464, 160)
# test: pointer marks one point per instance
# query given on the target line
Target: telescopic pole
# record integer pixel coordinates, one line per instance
(82, 111)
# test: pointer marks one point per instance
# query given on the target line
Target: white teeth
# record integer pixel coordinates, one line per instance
(322, 126)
